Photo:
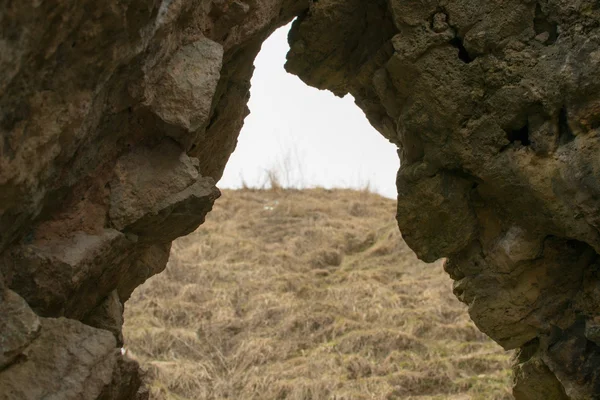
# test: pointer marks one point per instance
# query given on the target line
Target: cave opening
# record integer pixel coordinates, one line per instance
(277, 278)
(463, 53)
(306, 137)
(520, 135)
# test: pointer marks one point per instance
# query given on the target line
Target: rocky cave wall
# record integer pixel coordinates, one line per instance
(117, 118)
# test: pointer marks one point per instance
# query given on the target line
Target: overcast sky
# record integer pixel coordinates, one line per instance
(310, 136)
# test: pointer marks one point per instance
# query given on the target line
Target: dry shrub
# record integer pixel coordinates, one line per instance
(287, 294)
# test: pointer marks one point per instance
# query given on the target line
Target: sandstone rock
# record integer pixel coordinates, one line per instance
(109, 112)
(61, 61)
(515, 305)
(183, 96)
(19, 326)
(573, 360)
(66, 277)
(68, 360)
(533, 380)
(438, 206)
(497, 171)
(145, 262)
(108, 315)
(126, 382)
(158, 194)
(592, 330)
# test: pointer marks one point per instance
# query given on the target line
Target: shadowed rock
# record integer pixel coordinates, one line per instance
(489, 103)
(19, 326)
(70, 360)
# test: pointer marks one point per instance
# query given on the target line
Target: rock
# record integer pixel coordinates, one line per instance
(440, 23)
(158, 194)
(19, 326)
(183, 96)
(67, 277)
(592, 330)
(498, 170)
(438, 206)
(68, 360)
(114, 119)
(573, 360)
(533, 380)
(108, 315)
(141, 265)
(514, 305)
(126, 382)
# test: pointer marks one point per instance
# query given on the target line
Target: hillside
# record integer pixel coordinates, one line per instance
(303, 295)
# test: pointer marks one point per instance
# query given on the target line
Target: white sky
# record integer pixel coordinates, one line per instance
(310, 136)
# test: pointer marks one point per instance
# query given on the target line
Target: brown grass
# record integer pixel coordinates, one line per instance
(312, 294)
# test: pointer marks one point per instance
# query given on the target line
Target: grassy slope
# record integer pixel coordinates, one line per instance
(307, 295)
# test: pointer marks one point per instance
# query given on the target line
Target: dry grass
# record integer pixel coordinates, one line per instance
(312, 294)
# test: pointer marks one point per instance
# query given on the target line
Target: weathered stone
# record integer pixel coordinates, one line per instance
(499, 165)
(108, 315)
(108, 113)
(439, 207)
(574, 360)
(19, 326)
(126, 382)
(533, 380)
(515, 305)
(141, 265)
(592, 330)
(158, 194)
(66, 277)
(183, 96)
(68, 360)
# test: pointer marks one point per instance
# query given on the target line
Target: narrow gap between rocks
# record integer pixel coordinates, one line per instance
(463, 54)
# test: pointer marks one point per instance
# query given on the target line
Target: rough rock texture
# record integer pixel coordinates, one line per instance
(495, 106)
(19, 326)
(70, 360)
(116, 118)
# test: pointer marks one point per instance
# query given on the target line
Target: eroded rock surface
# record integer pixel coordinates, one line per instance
(495, 108)
(19, 326)
(70, 360)
(116, 119)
